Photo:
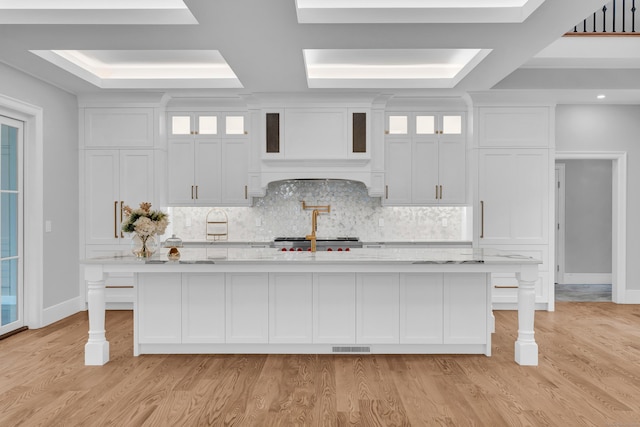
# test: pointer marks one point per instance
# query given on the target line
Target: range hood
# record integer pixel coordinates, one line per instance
(374, 181)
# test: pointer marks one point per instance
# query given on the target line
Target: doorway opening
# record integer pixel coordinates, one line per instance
(583, 246)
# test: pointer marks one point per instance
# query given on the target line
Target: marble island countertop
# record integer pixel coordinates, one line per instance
(242, 243)
(231, 255)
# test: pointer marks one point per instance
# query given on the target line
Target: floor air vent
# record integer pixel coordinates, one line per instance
(352, 349)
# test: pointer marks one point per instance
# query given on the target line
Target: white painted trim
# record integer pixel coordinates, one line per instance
(60, 311)
(619, 215)
(32, 116)
(560, 224)
(587, 278)
(632, 297)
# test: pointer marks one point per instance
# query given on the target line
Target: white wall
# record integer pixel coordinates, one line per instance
(588, 201)
(60, 135)
(607, 128)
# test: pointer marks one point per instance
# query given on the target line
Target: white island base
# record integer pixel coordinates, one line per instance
(325, 303)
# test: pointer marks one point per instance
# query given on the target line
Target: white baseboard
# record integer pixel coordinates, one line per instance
(586, 278)
(60, 311)
(632, 296)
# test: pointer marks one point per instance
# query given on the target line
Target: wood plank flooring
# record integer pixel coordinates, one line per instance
(589, 375)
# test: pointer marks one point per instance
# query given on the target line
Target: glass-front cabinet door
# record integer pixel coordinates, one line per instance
(422, 124)
(433, 171)
(206, 125)
(192, 124)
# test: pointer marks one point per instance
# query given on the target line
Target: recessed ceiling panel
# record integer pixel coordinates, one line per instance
(414, 11)
(589, 52)
(127, 12)
(146, 68)
(389, 68)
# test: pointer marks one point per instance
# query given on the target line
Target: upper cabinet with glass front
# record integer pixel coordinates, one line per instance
(425, 158)
(443, 125)
(208, 159)
(206, 125)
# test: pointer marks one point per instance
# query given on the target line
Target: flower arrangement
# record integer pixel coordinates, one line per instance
(145, 223)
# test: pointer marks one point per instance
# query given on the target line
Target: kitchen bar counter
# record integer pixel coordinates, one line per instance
(261, 300)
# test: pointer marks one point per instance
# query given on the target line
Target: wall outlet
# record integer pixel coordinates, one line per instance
(445, 222)
(258, 222)
(381, 222)
(47, 226)
(187, 222)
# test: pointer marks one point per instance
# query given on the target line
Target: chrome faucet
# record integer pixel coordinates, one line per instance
(314, 221)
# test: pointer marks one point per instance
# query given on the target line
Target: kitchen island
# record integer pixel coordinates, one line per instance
(367, 301)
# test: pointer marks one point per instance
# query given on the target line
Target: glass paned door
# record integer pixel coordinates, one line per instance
(10, 225)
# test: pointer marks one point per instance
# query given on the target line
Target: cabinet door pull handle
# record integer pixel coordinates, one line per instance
(481, 219)
(441, 192)
(115, 219)
(386, 191)
(121, 210)
(192, 192)
(246, 196)
(196, 192)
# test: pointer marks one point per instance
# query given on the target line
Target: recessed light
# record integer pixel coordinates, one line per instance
(601, 96)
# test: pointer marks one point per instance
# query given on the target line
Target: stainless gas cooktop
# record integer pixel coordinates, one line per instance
(322, 243)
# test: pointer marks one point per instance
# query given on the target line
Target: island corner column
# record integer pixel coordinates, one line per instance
(526, 348)
(96, 350)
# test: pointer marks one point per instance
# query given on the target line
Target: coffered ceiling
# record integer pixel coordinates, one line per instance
(226, 47)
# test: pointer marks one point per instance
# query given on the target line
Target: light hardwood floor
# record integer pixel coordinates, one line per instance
(589, 374)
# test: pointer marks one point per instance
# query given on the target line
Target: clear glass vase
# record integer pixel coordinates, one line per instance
(143, 246)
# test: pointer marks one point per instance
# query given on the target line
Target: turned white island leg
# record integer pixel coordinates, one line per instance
(96, 351)
(526, 348)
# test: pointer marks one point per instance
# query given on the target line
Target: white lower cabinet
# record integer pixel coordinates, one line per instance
(465, 318)
(334, 308)
(159, 313)
(203, 308)
(247, 302)
(290, 308)
(377, 314)
(312, 308)
(421, 308)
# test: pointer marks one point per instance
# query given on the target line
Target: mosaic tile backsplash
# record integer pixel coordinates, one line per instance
(353, 213)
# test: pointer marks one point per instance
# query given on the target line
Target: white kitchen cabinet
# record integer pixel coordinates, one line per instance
(203, 308)
(334, 308)
(235, 172)
(113, 179)
(378, 317)
(160, 308)
(247, 308)
(398, 174)
(290, 308)
(117, 127)
(321, 133)
(206, 124)
(308, 311)
(421, 308)
(208, 159)
(194, 172)
(513, 193)
(208, 172)
(425, 159)
(508, 127)
(465, 320)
